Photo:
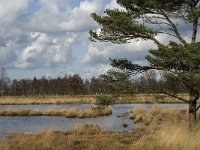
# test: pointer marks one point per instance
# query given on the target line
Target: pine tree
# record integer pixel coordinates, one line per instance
(145, 20)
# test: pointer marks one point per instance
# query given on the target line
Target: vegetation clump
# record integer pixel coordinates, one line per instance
(159, 116)
(70, 113)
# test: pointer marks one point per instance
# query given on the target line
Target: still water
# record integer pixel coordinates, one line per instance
(114, 122)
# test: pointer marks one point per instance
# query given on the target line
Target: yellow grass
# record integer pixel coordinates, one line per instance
(151, 98)
(9, 100)
(69, 113)
(91, 137)
(170, 137)
(159, 115)
(138, 98)
(140, 115)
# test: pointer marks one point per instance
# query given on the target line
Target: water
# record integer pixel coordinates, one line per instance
(114, 122)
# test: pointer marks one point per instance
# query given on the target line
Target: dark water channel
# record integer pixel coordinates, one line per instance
(114, 122)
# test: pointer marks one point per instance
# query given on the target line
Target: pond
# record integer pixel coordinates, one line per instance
(114, 122)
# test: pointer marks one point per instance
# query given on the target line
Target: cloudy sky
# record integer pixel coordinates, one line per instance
(50, 38)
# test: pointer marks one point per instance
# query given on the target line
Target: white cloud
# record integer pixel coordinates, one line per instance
(7, 54)
(47, 50)
(113, 5)
(9, 9)
(50, 18)
(38, 37)
(46, 37)
(99, 53)
(79, 18)
(61, 51)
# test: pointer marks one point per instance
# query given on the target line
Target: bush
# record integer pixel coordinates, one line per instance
(104, 101)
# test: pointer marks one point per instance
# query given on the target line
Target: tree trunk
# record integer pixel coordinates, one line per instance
(192, 108)
(192, 113)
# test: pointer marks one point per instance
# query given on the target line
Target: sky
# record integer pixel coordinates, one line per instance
(50, 38)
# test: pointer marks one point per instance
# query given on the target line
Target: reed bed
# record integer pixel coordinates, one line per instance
(23, 100)
(91, 137)
(159, 115)
(69, 113)
(87, 99)
(150, 98)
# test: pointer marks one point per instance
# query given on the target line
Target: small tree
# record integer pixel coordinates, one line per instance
(103, 101)
(118, 82)
(144, 20)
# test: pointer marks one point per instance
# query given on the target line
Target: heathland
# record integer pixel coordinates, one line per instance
(160, 128)
(165, 129)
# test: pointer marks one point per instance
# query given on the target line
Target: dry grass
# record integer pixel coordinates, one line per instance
(140, 115)
(9, 100)
(159, 115)
(150, 98)
(170, 137)
(138, 98)
(70, 113)
(91, 137)
(88, 137)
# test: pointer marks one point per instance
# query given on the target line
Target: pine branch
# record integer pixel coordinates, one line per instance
(174, 28)
(159, 44)
(166, 93)
(175, 96)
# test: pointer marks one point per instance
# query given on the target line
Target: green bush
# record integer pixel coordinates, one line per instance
(105, 101)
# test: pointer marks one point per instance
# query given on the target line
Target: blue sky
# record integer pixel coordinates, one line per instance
(50, 38)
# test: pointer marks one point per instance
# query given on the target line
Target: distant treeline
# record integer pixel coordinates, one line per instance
(68, 85)
(75, 85)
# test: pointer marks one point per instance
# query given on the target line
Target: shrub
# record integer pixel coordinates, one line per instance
(104, 101)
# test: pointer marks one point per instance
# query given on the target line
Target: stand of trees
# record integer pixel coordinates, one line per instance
(68, 85)
(110, 83)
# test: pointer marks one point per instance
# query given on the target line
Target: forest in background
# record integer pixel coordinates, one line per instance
(110, 83)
